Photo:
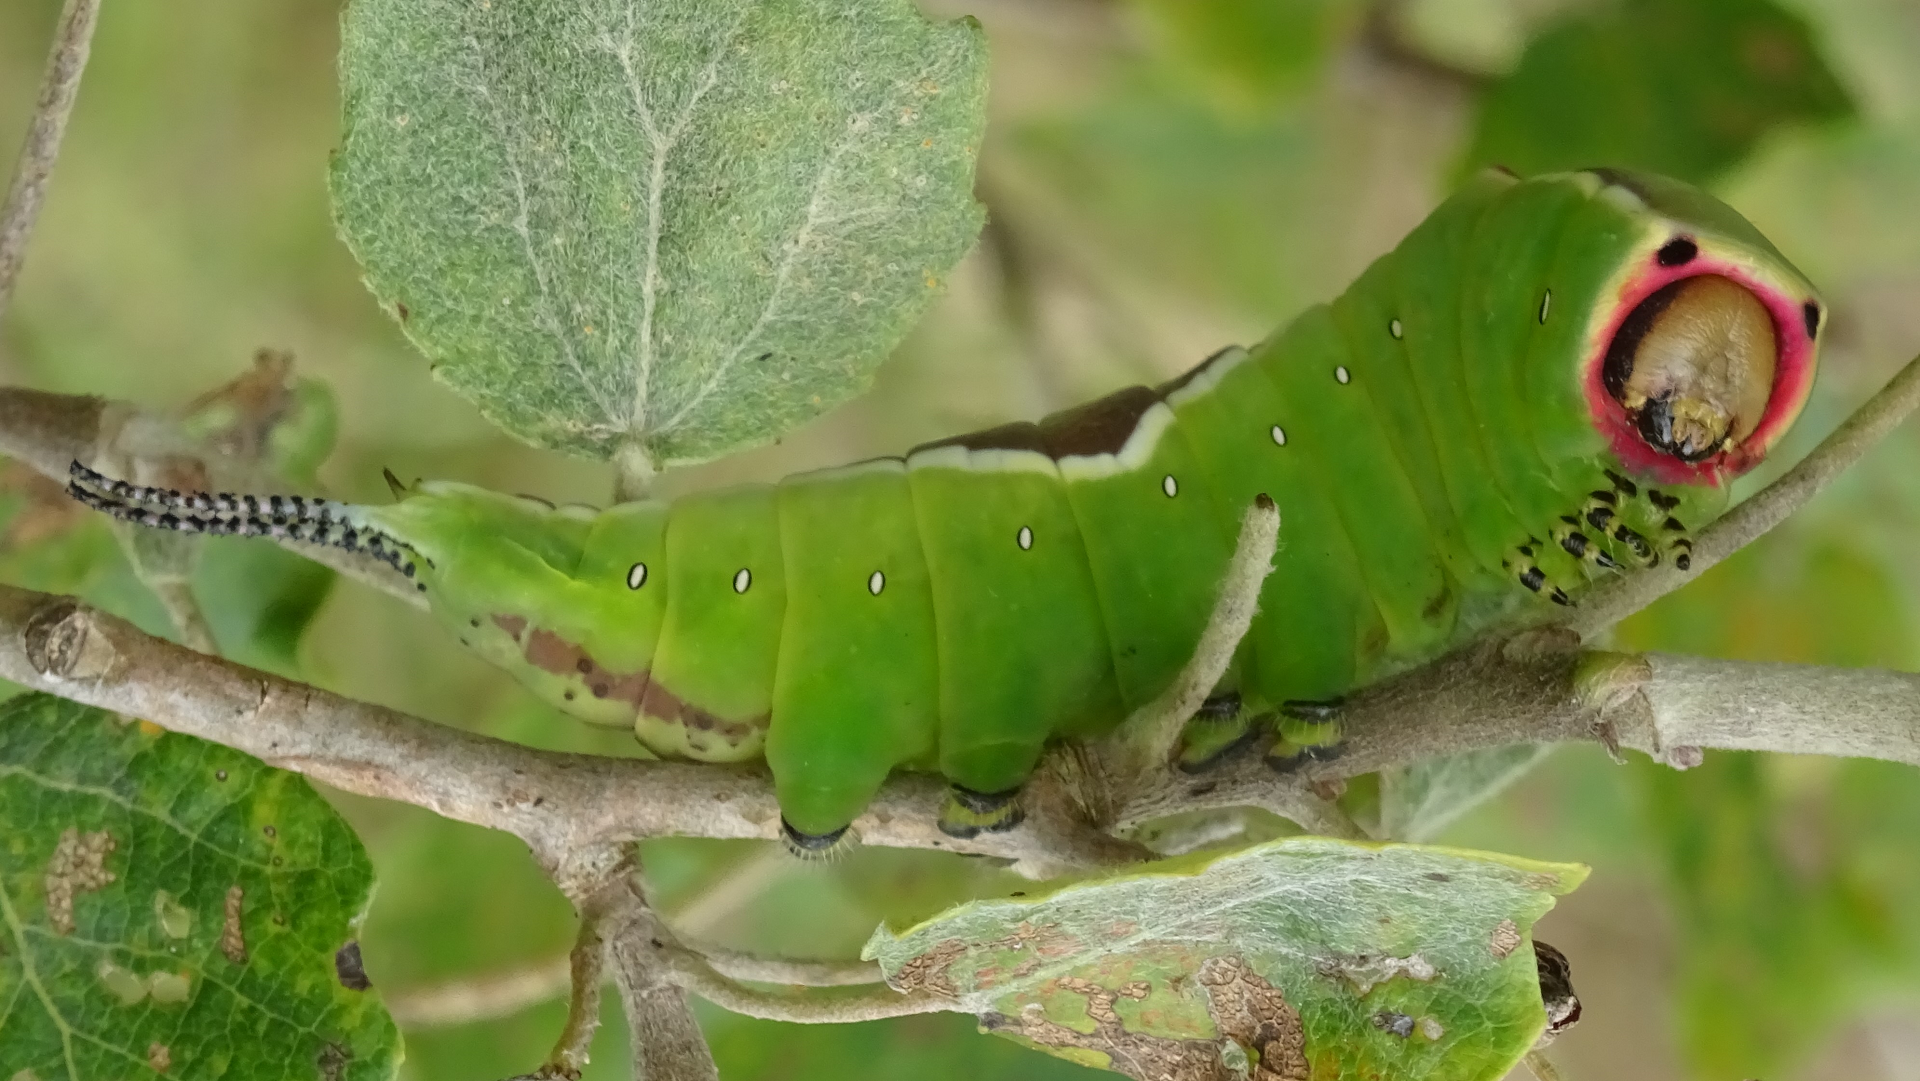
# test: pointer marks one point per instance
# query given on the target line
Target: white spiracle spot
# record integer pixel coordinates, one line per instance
(742, 578)
(1279, 436)
(1170, 486)
(876, 582)
(636, 576)
(1024, 538)
(1394, 328)
(1342, 375)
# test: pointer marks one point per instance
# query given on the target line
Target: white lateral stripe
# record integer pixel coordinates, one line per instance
(997, 460)
(1135, 453)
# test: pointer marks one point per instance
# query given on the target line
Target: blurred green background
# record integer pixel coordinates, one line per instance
(1164, 177)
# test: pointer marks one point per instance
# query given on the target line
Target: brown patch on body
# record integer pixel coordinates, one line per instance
(79, 865)
(1101, 426)
(662, 704)
(553, 654)
(1246, 1010)
(233, 937)
(159, 1057)
(549, 652)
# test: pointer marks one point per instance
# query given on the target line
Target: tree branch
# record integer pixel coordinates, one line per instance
(72, 39)
(667, 1044)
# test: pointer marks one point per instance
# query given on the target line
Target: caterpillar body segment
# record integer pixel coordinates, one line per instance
(1510, 403)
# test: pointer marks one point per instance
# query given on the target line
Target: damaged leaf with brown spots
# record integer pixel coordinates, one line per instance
(1296, 960)
(170, 903)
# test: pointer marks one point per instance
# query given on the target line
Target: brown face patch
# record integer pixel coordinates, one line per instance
(1101, 426)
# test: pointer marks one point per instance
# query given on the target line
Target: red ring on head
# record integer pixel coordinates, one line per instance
(1792, 375)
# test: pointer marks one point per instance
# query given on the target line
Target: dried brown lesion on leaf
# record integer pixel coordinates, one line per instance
(928, 972)
(1504, 940)
(1247, 1011)
(333, 1061)
(1365, 971)
(79, 865)
(233, 938)
(160, 1057)
(1254, 1014)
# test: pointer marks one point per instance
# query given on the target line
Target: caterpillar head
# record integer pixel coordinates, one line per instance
(1706, 348)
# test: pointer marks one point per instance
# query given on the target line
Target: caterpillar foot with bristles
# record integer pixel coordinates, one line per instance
(1219, 729)
(1521, 563)
(968, 814)
(1577, 543)
(1309, 732)
(816, 847)
(1676, 540)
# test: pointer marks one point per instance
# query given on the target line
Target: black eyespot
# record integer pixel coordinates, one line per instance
(1811, 313)
(1677, 252)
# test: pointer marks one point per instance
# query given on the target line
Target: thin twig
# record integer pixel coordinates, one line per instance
(834, 1005)
(1868, 425)
(633, 474)
(667, 1044)
(72, 39)
(1150, 734)
(586, 971)
(1542, 1067)
(728, 893)
(481, 998)
(753, 968)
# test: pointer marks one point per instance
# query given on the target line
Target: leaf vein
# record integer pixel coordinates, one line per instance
(783, 274)
(522, 227)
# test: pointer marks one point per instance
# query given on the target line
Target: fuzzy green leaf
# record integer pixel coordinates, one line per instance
(1305, 957)
(681, 227)
(170, 906)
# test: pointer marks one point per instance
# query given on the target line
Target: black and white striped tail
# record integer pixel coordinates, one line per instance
(314, 521)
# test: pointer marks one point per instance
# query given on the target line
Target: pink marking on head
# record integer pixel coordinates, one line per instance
(1792, 376)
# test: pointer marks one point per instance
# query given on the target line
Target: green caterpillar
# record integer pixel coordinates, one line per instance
(1547, 379)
